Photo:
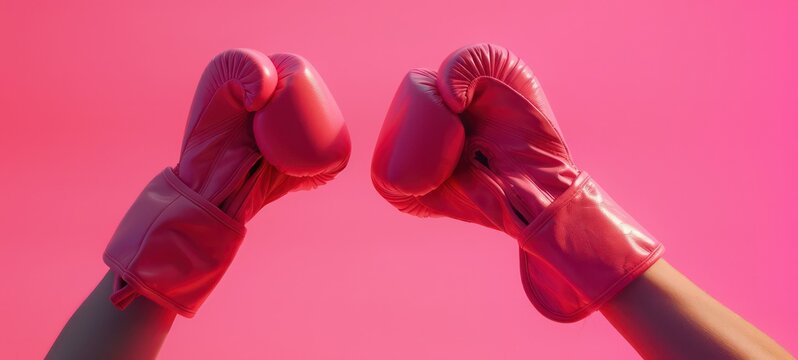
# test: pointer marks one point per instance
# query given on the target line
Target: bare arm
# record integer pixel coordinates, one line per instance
(664, 315)
(98, 330)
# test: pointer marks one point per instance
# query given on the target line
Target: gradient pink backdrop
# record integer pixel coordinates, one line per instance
(684, 110)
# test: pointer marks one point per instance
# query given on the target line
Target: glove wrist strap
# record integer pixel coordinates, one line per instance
(581, 251)
(172, 246)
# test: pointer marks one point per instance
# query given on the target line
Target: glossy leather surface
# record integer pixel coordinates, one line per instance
(477, 141)
(259, 127)
(581, 251)
(172, 246)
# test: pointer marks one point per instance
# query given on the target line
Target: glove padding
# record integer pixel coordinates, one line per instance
(259, 127)
(477, 141)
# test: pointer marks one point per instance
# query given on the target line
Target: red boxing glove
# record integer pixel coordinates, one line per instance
(259, 127)
(478, 142)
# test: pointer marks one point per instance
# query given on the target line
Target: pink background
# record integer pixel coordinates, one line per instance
(684, 110)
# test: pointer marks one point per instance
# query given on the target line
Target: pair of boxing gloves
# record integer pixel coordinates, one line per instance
(475, 141)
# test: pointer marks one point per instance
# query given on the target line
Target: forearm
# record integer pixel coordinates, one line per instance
(664, 315)
(98, 330)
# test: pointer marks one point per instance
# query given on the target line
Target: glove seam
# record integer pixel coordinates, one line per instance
(234, 175)
(209, 132)
(483, 145)
(229, 223)
(602, 298)
(498, 191)
(543, 219)
(470, 93)
(132, 278)
(216, 159)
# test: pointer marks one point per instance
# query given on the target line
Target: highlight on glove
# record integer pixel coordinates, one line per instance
(259, 127)
(477, 141)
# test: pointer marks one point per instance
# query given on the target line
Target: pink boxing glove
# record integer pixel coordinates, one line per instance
(477, 141)
(259, 127)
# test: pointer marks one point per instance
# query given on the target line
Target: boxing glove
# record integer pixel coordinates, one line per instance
(477, 141)
(258, 127)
